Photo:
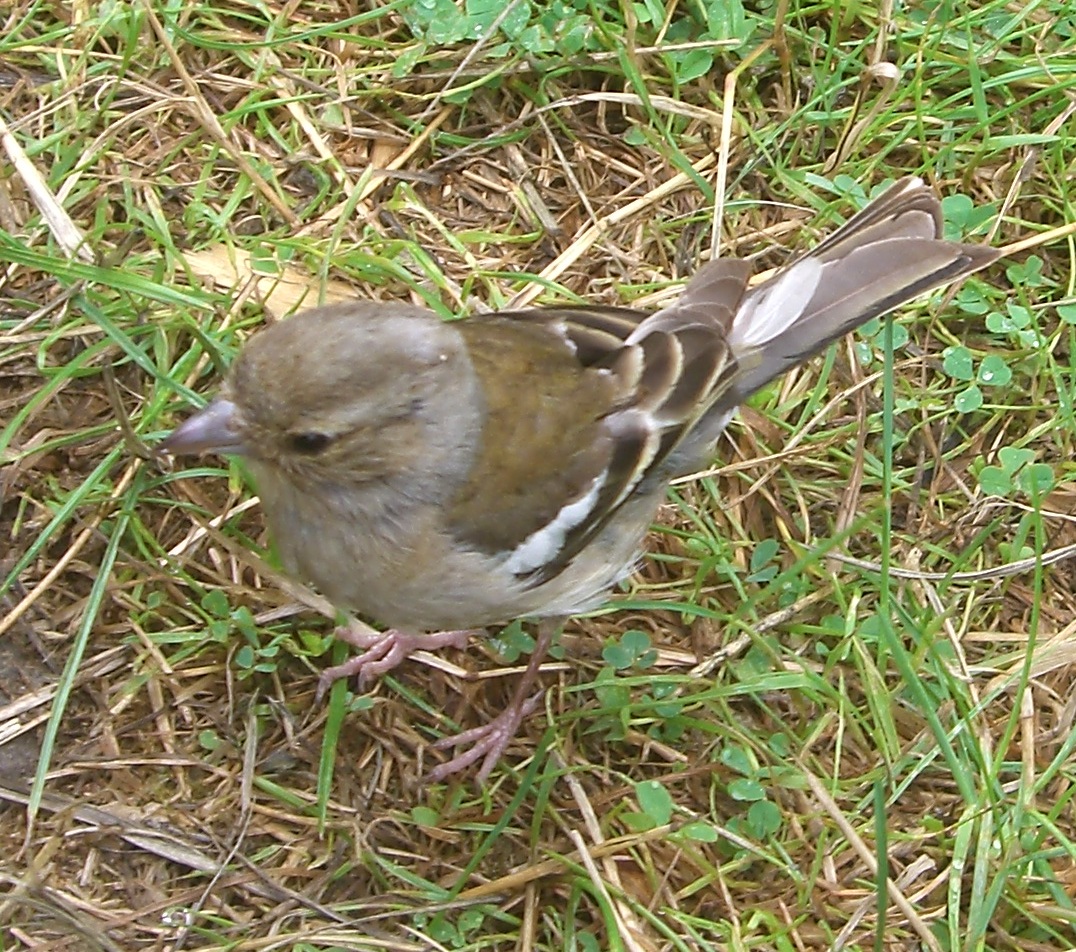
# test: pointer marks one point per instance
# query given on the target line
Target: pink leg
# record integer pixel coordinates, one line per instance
(383, 651)
(489, 741)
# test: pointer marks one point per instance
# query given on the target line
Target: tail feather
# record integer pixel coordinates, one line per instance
(906, 209)
(887, 254)
(867, 282)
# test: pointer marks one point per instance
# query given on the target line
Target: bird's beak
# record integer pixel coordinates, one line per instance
(215, 429)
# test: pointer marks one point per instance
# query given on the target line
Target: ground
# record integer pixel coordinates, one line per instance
(849, 652)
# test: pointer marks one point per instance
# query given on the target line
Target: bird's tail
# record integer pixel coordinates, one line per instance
(889, 253)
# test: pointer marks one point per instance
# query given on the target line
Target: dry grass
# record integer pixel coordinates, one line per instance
(172, 783)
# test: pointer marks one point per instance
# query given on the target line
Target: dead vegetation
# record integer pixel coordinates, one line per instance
(189, 794)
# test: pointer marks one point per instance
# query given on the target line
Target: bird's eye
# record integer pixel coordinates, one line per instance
(309, 443)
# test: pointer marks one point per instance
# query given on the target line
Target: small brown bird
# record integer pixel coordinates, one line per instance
(446, 476)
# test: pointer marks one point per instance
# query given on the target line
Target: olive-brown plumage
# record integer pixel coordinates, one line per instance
(443, 476)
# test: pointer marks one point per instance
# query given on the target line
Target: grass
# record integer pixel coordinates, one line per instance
(832, 710)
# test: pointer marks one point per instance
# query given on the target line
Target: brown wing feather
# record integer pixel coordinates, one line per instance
(552, 405)
(614, 410)
(646, 381)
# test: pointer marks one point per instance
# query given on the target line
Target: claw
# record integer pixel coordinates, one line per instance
(489, 741)
(382, 651)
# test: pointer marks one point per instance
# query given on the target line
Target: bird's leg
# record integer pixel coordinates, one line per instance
(489, 741)
(382, 651)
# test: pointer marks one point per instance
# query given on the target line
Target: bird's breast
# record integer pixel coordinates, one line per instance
(397, 565)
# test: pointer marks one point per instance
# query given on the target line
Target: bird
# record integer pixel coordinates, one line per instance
(444, 476)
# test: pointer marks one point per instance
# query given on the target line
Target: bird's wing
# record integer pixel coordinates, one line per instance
(601, 397)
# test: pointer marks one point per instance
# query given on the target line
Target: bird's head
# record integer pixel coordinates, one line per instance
(342, 395)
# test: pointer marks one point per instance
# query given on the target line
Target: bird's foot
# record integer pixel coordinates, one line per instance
(382, 651)
(487, 742)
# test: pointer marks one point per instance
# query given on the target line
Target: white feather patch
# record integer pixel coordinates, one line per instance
(778, 307)
(542, 545)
